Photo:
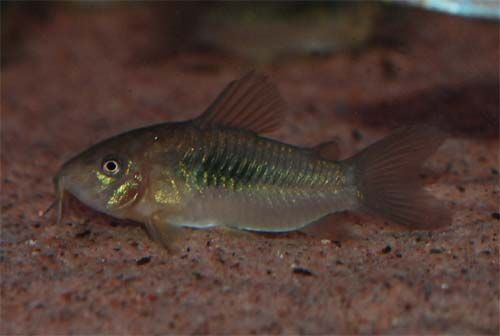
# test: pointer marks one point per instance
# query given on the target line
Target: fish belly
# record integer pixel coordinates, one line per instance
(253, 211)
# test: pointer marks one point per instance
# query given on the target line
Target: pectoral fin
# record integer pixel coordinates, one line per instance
(161, 231)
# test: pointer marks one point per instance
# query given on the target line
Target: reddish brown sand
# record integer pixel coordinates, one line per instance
(79, 79)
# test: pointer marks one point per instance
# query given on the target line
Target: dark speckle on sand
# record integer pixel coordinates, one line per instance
(301, 271)
(83, 233)
(386, 249)
(143, 260)
(356, 134)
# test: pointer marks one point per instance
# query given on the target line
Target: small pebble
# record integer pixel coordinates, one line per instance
(197, 275)
(356, 135)
(302, 271)
(143, 260)
(82, 234)
(436, 250)
(386, 249)
(127, 277)
(36, 305)
(389, 69)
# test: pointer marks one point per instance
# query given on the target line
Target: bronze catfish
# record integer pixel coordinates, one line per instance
(216, 170)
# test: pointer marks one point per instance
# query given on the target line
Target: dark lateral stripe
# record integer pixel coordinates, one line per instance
(228, 160)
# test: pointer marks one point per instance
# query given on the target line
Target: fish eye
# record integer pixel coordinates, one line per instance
(111, 167)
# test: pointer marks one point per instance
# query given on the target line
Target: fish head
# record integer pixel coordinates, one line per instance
(107, 177)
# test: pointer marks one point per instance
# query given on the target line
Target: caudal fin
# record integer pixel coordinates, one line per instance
(386, 176)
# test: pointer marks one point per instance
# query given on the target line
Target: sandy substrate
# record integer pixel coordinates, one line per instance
(79, 79)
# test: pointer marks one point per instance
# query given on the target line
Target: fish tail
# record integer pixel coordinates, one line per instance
(386, 178)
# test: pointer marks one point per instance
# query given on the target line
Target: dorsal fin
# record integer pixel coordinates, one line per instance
(328, 150)
(252, 103)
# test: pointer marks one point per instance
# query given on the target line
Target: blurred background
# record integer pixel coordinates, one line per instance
(382, 63)
(73, 73)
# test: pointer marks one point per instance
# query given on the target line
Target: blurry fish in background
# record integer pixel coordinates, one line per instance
(274, 30)
(278, 30)
(487, 9)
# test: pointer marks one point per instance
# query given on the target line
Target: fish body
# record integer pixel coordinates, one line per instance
(217, 170)
(238, 179)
